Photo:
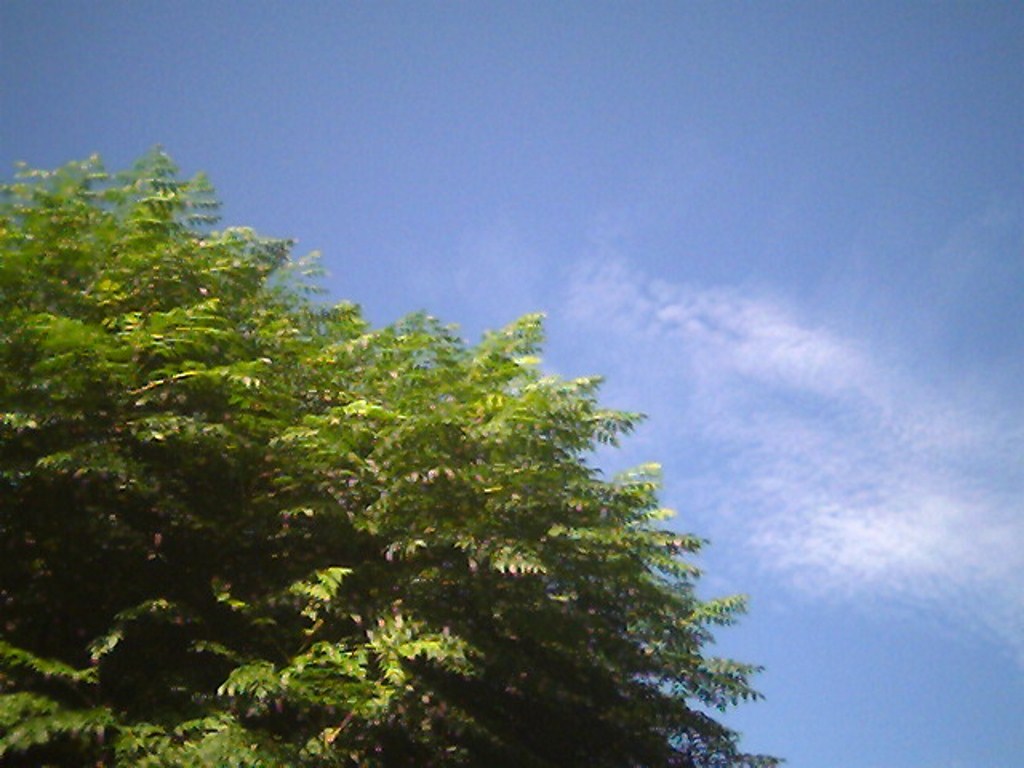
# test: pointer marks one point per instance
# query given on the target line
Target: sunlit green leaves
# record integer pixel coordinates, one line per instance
(14, 659)
(243, 528)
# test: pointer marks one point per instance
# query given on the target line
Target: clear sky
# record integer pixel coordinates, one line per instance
(792, 233)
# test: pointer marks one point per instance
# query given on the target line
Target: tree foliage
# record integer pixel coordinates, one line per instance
(243, 528)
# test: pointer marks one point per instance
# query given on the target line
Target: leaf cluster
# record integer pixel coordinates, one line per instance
(239, 527)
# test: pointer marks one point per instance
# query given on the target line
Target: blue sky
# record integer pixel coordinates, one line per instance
(792, 233)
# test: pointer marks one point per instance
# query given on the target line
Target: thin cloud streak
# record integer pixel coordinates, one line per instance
(849, 477)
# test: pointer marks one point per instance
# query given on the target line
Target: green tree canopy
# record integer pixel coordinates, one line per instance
(240, 527)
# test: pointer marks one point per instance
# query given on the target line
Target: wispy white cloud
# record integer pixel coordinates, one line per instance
(840, 471)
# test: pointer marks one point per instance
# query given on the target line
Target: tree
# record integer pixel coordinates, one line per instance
(241, 527)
